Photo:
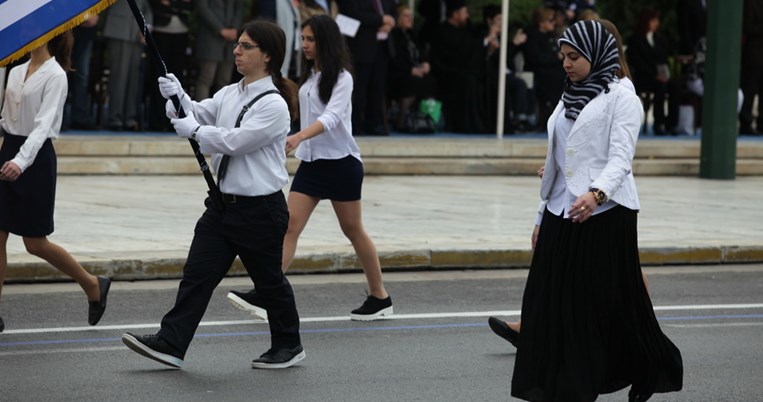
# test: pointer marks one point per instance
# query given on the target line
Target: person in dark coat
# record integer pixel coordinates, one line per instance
(125, 43)
(518, 98)
(370, 54)
(542, 58)
(218, 22)
(170, 34)
(648, 53)
(410, 75)
(457, 62)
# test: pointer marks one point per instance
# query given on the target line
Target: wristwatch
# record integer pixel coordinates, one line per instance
(598, 195)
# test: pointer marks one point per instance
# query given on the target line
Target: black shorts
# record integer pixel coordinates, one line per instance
(333, 179)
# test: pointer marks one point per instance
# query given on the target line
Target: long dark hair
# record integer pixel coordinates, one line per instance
(272, 41)
(60, 47)
(624, 71)
(331, 52)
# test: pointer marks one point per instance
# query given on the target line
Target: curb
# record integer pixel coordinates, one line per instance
(409, 260)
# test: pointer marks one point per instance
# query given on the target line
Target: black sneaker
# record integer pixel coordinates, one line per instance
(249, 302)
(2, 324)
(279, 359)
(97, 308)
(154, 347)
(373, 309)
(502, 329)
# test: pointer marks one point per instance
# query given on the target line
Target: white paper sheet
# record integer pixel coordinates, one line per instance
(347, 26)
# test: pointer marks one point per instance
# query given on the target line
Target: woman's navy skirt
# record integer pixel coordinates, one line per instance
(26, 204)
(333, 179)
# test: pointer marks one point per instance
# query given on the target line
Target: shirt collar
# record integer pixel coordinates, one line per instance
(261, 85)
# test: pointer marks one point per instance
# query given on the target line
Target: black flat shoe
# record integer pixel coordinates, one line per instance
(97, 308)
(502, 329)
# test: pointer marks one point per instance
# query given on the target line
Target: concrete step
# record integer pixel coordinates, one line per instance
(166, 154)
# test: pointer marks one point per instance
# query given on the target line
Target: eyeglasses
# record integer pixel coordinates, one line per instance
(244, 45)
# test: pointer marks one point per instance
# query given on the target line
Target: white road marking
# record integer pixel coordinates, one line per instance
(720, 324)
(473, 314)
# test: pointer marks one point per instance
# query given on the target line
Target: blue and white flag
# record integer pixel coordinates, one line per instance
(27, 24)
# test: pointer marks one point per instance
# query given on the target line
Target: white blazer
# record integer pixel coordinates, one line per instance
(600, 148)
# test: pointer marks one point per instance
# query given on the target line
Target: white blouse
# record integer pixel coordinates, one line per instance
(258, 161)
(34, 108)
(336, 140)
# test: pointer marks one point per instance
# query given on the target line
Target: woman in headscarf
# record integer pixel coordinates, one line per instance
(588, 326)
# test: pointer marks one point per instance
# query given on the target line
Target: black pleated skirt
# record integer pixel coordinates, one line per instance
(588, 325)
(26, 204)
(332, 179)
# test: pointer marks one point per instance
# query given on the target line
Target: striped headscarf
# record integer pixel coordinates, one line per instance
(598, 46)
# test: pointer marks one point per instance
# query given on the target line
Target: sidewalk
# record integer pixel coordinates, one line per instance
(140, 227)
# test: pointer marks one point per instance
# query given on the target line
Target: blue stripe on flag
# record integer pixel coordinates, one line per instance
(39, 22)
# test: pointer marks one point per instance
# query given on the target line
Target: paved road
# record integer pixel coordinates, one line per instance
(438, 348)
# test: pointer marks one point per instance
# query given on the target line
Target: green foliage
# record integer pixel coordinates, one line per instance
(623, 13)
(520, 11)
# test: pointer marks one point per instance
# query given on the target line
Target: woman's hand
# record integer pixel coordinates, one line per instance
(583, 207)
(292, 142)
(534, 237)
(541, 171)
(10, 171)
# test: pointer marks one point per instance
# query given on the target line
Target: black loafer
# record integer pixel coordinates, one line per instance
(97, 308)
(502, 329)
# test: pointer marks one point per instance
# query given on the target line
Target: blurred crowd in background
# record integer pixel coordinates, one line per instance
(421, 69)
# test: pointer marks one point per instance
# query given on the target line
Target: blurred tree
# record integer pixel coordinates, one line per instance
(623, 13)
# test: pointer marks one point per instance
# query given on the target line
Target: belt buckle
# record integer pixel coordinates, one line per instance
(231, 199)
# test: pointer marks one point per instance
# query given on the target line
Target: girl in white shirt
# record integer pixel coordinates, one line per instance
(331, 167)
(31, 117)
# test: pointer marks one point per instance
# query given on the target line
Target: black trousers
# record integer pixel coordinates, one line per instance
(368, 93)
(253, 229)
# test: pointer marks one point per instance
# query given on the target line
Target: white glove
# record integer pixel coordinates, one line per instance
(169, 85)
(169, 107)
(186, 126)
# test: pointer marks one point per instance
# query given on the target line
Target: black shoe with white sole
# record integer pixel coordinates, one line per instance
(249, 302)
(373, 309)
(279, 358)
(154, 347)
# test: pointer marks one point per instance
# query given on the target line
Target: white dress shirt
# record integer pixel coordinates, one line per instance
(336, 140)
(34, 108)
(258, 161)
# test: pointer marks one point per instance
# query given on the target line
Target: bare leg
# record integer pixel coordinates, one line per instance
(646, 284)
(514, 325)
(56, 256)
(301, 206)
(349, 215)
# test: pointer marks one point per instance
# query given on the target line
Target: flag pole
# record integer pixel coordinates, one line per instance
(214, 191)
